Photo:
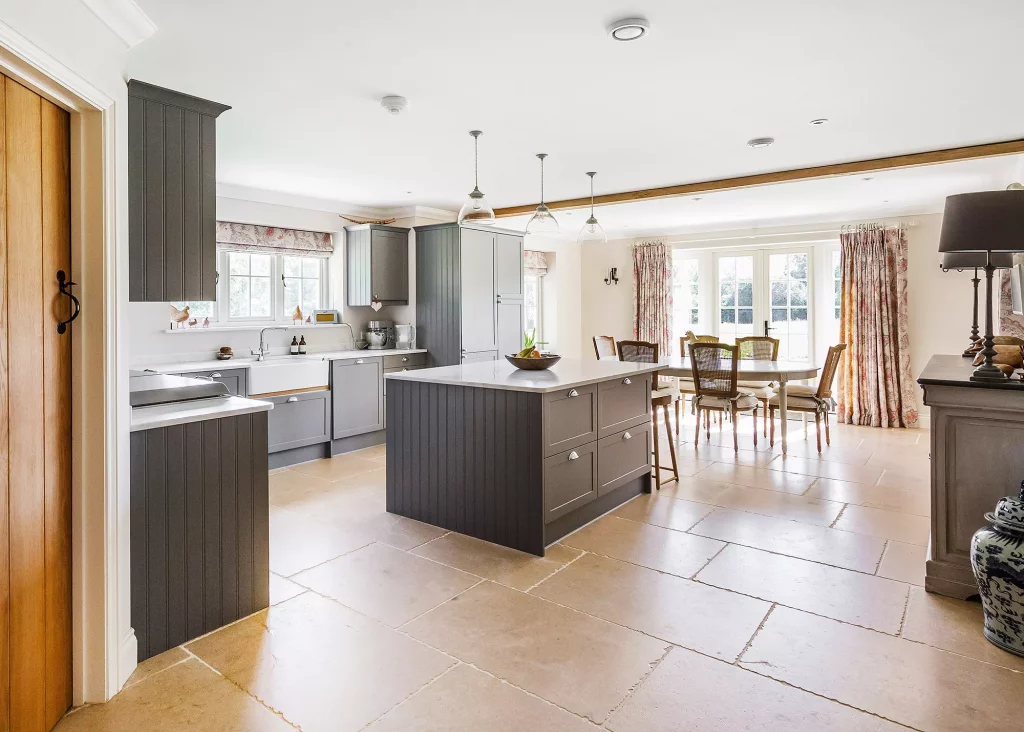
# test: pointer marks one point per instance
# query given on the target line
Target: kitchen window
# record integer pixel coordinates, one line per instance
(533, 305)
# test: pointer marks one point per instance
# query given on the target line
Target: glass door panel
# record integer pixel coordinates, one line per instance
(736, 301)
(788, 292)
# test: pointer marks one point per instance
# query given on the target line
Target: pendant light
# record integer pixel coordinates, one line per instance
(476, 210)
(542, 221)
(592, 233)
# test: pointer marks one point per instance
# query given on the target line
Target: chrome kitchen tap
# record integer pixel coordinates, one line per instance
(265, 350)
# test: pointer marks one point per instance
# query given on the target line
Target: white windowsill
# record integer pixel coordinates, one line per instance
(252, 326)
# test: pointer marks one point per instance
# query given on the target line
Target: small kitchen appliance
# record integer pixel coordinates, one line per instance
(405, 336)
(380, 334)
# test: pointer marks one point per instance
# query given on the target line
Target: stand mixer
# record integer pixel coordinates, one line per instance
(380, 334)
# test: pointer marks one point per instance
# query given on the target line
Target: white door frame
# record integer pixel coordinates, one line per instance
(103, 643)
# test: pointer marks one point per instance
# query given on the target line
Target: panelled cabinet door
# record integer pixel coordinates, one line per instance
(508, 264)
(510, 325)
(357, 388)
(478, 295)
(389, 267)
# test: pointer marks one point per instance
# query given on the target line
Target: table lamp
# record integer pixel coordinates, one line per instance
(974, 260)
(986, 222)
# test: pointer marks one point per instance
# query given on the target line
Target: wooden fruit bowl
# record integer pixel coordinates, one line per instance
(533, 364)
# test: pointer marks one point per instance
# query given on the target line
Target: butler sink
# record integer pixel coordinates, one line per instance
(274, 376)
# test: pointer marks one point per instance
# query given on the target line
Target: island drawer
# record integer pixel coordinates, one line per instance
(298, 420)
(622, 457)
(570, 481)
(406, 360)
(570, 418)
(622, 403)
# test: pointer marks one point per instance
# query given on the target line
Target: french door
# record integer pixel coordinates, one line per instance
(766, 292)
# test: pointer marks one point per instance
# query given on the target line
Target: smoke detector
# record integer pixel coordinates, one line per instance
(628, 29)
(394, 104)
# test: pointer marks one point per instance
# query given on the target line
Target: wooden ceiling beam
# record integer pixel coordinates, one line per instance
(934, 157)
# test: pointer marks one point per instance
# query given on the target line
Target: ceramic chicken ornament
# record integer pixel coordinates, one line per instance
(206, 323)
(178, 317)
(297, 315)
(193, 323)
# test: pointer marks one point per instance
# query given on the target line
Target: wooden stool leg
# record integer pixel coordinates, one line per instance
(771, 418)
(755, 424)
(735, 433)
(671, 445)
(657, 452)
(707, 424)
(828, 438)
(679, 424)
(696, 436)
(817, 429)
(764, 417)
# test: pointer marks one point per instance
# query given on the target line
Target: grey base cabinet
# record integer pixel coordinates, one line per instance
(357, 387)
(298, 420)
(200, 537)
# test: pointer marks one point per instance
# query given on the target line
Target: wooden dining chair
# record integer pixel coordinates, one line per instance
(685, 383)
(714, 368)
(644, 352)
(604, 347)
(812, 399)
(759, 348)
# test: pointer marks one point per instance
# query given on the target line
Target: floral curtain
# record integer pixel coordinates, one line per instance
(652, 285)
(272, 240)
(876, 387)
(535, 263)
(1009, 324)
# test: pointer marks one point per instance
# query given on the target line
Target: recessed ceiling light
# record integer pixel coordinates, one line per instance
(819, 121)
(867, 177)
(629, 29)
(394, 104)
(761, 142)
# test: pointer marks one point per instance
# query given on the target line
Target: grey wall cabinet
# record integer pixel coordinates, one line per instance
(200, 528)
(298, 420)
(172, 189)
(377, 265)
(469, 293)
(358, 391)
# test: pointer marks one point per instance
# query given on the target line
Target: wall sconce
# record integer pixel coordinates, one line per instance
(612, 277)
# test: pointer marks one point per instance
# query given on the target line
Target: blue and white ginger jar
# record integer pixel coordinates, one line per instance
(997, 556)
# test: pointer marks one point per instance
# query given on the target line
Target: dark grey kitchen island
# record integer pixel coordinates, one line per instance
(517, 458)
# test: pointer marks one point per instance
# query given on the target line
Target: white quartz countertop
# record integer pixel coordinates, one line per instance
(185, 367)
(198, 410)
(565, 374)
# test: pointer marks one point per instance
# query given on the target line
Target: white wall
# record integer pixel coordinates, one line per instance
(562, 293)
(606, 309)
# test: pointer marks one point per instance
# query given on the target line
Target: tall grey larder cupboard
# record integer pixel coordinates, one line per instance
(469, 293)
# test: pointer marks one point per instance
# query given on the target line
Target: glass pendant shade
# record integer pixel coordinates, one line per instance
(476, 210)
(542, 221)
(592, 232)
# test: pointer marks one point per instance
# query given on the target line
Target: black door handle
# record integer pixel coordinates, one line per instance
(65, 289)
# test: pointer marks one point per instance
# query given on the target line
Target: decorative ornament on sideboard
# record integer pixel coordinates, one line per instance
(997, 557)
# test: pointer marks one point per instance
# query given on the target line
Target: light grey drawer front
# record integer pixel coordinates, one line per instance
(621, 403)
(622, 457)
(570, 481)
(298, 420)
(406, 360)
(570, 418)
(233, 379)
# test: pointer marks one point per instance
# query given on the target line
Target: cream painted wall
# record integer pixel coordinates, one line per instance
(606, 309)
(562, 293)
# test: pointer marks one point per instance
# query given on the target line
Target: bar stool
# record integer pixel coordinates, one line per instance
(661, 397)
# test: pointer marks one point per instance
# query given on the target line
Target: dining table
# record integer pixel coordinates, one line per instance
(750, 369)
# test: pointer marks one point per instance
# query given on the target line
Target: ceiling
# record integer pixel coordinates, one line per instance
(542, 76)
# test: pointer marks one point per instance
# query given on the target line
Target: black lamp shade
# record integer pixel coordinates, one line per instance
(987, 221)
(970, 260)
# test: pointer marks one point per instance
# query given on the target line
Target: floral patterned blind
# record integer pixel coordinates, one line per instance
(535, 263)
(273, 240)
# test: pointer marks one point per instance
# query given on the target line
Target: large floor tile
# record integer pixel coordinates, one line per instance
(780, 505)
(680, 611)
(498, 563)
(671, 513)
(914, 501)
(156, 664)
(818, 588)
(896, 479)
(715, 453)
(299, 542)
(773, 480)
(905, 527)
(468, 700)
(953, 625)
(688, 692)
(291, 490)
(187, 696)
(826, 469)
(578, 662)
(322, 666)
(909, 683)
(804, 541)
(282, 589)
(385, 583)
(647, 545)
(693, 488)
(903, 562)
(336, 468)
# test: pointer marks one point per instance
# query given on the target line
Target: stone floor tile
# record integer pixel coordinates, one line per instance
(780, 505)
(903, 562)
(915, 501)
(670, 513)
(773, 480)
(904, 527)
(299, 542)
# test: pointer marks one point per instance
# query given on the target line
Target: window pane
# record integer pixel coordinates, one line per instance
(239, 297)
(196, 309)
(260, 297)
(292, 293)
(260, 264)
(292, 267)
(779, 293)
(744, 268)
(778, 268)
(798, 293)
(798, 266)
(728, 315)
(694, 317)
(746, 294)
(836, 267)
(837, 313)
(310, 295)
(780, 315)
(799, 314)
(746, 316)
(727, 268)
(728, 290)
(239, 263)
(311, 267)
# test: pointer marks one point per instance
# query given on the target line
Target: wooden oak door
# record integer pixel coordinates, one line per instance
(35, 412)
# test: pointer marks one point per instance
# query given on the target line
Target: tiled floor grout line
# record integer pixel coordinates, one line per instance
(582, 553)
(640, 682)
(292, 576)
(435, 607)
(839, 516)
(750, 641)
(878, 565)
(710, 560)
(906, 609)
(410, 695)
(157, 673)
